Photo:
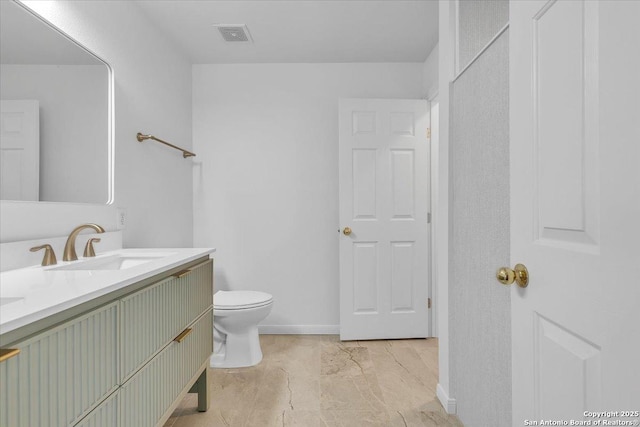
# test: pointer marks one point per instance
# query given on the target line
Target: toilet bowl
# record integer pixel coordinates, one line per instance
(236, 315)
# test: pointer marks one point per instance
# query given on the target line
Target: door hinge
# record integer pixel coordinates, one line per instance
(428, 133)
(428, 302)
(429, 218)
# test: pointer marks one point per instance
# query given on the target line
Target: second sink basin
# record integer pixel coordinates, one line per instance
(113, 262)
(9, 300)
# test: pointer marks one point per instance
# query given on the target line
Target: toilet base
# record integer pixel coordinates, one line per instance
(239, 351)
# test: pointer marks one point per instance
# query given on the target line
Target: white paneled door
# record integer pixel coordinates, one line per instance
(575, 209)
(19, 150)
(384, 204)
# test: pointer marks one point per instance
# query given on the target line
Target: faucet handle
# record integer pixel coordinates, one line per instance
(88, 250)
(49, 255)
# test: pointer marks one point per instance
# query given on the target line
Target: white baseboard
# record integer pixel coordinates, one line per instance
(299, 329)
(448, 403)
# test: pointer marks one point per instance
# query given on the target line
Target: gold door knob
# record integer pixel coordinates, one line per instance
(519, 274)
(346, 231)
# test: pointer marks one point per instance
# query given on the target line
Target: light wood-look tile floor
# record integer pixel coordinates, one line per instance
(316, 380)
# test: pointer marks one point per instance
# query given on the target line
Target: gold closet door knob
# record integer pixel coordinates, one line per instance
(519, 274)
(346, 231)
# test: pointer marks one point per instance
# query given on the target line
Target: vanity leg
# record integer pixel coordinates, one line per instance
(201, 388)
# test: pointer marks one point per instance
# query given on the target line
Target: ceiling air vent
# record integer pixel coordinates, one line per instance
(234, 33)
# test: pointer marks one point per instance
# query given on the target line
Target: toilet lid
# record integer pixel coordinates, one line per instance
(234, 300)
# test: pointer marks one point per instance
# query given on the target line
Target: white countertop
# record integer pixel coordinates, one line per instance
(40, 292)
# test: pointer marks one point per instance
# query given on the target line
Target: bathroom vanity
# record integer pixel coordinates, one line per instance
(115, 340)
(112, 340)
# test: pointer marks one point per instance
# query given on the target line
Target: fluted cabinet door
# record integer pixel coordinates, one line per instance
(63, 373)
(105, 415)
(152, 317)
(145, 398)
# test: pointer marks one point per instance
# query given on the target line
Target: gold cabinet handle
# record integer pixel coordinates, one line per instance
(519, 274)
(182, 273)
(190, 270)
(8, 353)
(183, 335)
(347, 231)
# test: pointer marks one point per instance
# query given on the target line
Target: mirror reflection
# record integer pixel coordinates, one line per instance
(54, 124)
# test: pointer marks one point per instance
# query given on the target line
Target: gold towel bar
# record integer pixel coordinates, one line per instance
(141, 137)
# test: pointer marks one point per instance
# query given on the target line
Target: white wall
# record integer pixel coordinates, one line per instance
(480, 308)
(266, 189)
(479, 22)
(430, 74)
(471, 329)
(152, 95)
(74, 104)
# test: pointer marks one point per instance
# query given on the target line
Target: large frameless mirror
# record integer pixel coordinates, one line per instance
(56, 122)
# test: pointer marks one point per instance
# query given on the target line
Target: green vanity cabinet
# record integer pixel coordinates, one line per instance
(127, 360)
(61, 374)
(155, 315)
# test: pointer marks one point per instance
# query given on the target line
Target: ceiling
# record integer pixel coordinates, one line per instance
(25, 39)
(300, 30)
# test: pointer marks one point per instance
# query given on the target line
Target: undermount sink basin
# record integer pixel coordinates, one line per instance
(114, 262)
(9, 300)
(13, 291)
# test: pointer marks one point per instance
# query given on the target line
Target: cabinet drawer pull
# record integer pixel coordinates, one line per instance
(188, 271)
(182, 273)
(183, 335)
(8, 353)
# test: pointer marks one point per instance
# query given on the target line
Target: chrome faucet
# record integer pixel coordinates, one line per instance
(70, 247)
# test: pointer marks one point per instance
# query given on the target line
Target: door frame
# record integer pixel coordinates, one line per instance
(433, 178)
(441, 196)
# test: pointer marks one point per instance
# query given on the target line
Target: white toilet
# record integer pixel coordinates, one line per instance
(236, 315)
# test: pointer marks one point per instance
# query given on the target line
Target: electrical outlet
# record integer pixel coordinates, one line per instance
(121, 220)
